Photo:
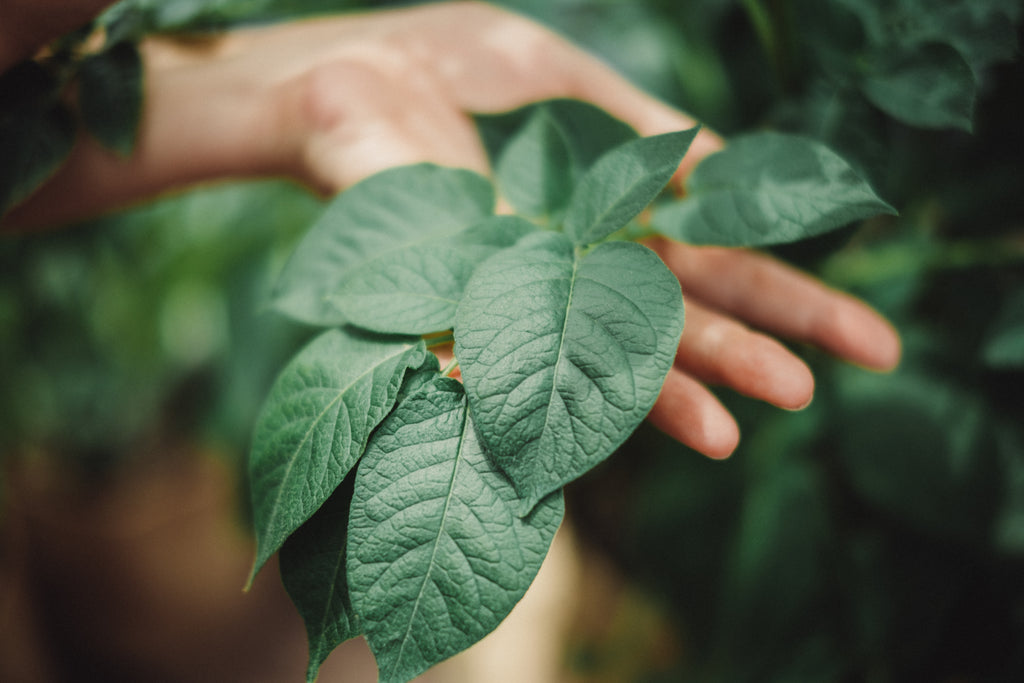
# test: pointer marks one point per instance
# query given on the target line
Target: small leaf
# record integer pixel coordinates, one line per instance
(313, 573)
(110, 96)
(768, 188)
(437, 557)
(587, 131)
(36, 132)
(622, 183)
(563, 353)
(1004, 347)
(392, 207)
(315, 424)
(930, 86)
(534, 171)
(415, 287)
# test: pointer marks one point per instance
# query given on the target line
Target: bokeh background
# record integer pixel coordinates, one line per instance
(876, 536)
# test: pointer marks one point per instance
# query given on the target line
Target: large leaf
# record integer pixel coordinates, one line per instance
(622, 183)
(315, 424)
(930, 86)
(313, 573)
(110, 95)
(563, 352)
(392, 207)
(437, 556)
(415, 287)
(768, 188)
(36, 132)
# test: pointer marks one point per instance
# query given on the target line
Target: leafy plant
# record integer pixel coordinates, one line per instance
(414, 509)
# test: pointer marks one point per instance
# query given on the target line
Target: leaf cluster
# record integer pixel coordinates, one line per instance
(414, 509)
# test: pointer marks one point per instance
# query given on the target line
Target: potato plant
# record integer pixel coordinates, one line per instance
(415, 509)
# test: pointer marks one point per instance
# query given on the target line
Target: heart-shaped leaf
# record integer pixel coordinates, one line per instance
(768, 188)
(563, 353)
(415, 287)
(315, 424)
(392, 207)
(437, 556)
(622, 183)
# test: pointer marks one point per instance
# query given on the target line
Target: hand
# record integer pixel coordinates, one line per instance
(332, 101)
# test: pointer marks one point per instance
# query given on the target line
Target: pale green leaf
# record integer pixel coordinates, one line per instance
(437, 556)
(415, 287)
(563, 353)
(313, 572)
(768, 188)
(370, 218)
(315, 424)
(622, 183)
(110, 95)
(534, 172)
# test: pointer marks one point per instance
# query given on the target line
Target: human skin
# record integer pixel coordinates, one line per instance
(331, 101)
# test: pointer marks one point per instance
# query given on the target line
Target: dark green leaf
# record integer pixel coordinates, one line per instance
(930, 86)
(563, 353)
(1005, 345)
(315, 424)
(415, 287)
(437, 556)
(313, 572)
(36, 132)
(110, 96)
(391, 208)
(622, 183)
(768, 188)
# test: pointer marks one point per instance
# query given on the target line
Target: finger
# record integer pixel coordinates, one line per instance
(779, 299)
(718, 350)
(689, 413)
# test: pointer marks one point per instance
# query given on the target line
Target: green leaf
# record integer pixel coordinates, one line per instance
(1004, 347)
(768, 188)
(313, 573)
(563, 353)
(535, 170)
(36, 132)
(929, 87)
(315, 424)
(437, 556)
(586, 131)
(622, 183)
(110, 95)
(415, 287)
(392, 207)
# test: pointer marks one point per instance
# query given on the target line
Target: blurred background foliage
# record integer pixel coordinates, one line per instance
(876, 536)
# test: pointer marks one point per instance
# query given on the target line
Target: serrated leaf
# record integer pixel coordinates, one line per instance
(415, 287)
(313, 573)
(930, 86)
(563, 353)
(37, 132)
(315, 424)
(768, 188)
(622, 183)
(437, 556)
(110, 96)
(368, 219)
